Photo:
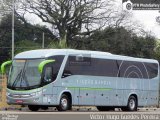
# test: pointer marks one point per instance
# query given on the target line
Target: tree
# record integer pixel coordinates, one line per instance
(144, 46)
(71, 17)
(26, 33)
(81, 23)
(157, 50)
(114, 40)
(25, 45)
(120, 41)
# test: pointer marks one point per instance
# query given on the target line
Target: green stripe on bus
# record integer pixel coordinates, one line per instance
(85, 88)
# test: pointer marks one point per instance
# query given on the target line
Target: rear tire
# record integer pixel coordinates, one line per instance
(64, 104)
(33, 108)
(104, 108)
(132, 104)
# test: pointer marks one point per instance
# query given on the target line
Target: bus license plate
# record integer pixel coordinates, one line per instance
(19, 101)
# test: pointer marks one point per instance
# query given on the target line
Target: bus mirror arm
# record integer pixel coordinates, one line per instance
(4, 66)
(43, 63)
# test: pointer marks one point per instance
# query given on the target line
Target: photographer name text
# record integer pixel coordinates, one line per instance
(125, 117)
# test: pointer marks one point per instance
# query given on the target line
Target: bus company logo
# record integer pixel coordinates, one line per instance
(130, 5)
(127, 5)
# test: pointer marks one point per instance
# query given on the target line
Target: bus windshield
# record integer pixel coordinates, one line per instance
(24, 74)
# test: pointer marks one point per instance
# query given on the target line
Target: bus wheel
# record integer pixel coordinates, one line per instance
(64, 103)
(33, 107)
(103, 108)
(132, 104)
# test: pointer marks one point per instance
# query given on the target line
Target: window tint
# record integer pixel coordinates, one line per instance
(56, 65)
(94, 66)
(152, 69)
(31, 72)
(140, 70)
(48, 75)
(110, 68)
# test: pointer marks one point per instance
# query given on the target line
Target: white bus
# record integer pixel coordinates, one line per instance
(64, 78)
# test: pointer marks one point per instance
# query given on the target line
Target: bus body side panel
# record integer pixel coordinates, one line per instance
(110, 91)
(103, 91)
(93, 90)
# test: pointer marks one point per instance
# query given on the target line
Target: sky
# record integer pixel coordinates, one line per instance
(148, 20)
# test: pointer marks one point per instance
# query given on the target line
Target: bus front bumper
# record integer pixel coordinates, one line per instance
(23, 99)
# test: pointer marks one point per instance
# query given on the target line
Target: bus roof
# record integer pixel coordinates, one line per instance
(45, 53)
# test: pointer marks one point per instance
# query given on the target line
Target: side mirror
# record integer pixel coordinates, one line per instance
(5, 65)
(43, 63)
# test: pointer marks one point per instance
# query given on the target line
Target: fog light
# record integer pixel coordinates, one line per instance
(33, 94)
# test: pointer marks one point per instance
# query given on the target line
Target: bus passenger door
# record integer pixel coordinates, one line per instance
(47, 92)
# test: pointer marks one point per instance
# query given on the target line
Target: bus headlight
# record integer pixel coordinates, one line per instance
(33, 94)
(39, 92)
(36, 93)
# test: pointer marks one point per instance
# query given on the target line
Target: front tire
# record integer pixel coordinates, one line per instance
(64, 104)
(33, 108)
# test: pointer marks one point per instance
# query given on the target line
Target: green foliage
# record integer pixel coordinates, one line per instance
(71, 17)
(27, 36)
(59, 45)
(119, 41)
(115, 40)
(26, 45)
(144, 46)
(157, 50)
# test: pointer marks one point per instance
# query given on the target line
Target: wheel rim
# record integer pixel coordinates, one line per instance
(64, 103)
(132, 104)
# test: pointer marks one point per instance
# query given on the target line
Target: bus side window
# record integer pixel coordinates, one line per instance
(48, 75)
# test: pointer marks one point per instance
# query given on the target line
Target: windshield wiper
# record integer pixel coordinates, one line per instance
(17, 78)
(24, 80)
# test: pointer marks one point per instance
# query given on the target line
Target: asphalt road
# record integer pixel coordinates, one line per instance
(81, 114)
